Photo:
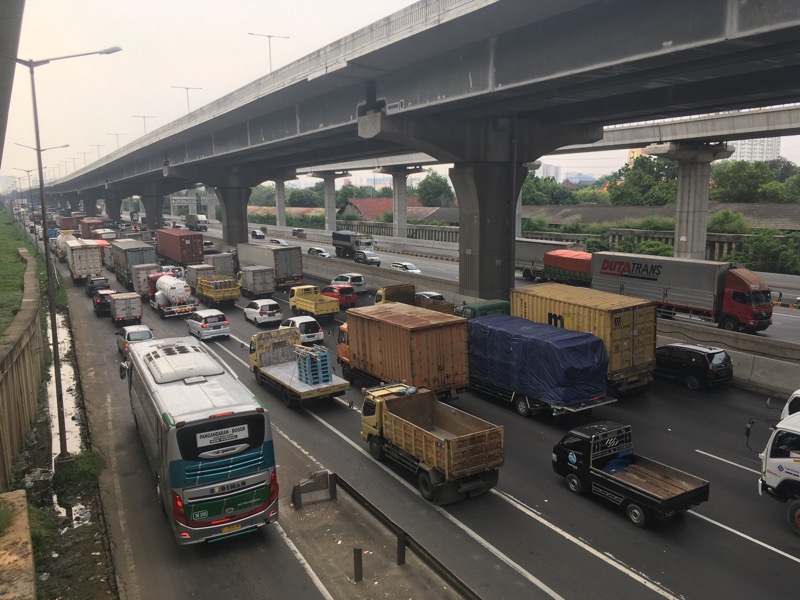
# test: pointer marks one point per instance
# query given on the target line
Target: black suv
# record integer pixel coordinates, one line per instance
(100, 301)
(366, 257)
(696, 366)
(95, 283)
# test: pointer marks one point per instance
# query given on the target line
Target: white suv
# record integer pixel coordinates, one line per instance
(354, 280)
(261, 312)
(310, 331)
(207, 324)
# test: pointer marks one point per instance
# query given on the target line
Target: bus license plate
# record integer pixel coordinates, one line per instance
(230, 528)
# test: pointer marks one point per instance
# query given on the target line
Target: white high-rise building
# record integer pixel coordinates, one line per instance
(761, 149)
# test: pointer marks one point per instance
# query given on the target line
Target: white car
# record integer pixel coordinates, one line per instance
(321, 252)
(208, 323)
(406, 267)
(310, 331)
(354, 280)
(278, 242)
(261, 312)
(130, 335)
(208, 247)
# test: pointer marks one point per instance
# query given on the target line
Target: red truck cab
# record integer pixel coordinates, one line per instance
(746, 303)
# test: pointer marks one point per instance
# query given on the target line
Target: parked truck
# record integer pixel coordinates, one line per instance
(346, 243)
(535, 367)
(140, 278)
(170, 296)
(296, 373)
(598, 458)
(306, 300)
(83, 259)
(529, 255)
(406, 293)
(217, 290)
(396, 342)
(180, 247)
(127, 253)
(287, 261)
(452, 454)
(736, 299)
(256, 282)
(197, 222)
(196, 272)
(626, 325)
(125, 308)
(780, 476)
(223, 263)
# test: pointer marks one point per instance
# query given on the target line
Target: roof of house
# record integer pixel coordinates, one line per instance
(372, 208)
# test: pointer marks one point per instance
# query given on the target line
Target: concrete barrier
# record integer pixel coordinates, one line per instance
(319, 487)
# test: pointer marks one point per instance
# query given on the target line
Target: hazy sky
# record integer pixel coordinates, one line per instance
(193, 43)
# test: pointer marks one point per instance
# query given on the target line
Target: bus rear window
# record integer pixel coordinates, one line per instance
(193, 440)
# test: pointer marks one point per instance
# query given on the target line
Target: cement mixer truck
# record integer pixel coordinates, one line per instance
(170, 296)
(61, 246)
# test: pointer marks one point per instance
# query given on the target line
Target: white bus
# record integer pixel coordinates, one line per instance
(208, 440)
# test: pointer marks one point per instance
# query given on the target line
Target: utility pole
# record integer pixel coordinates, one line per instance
(117, 134)
(98, 146)
(269, 44)
(183, 87)
(144, 120)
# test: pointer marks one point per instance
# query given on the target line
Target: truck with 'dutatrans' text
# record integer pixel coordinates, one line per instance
(452, 454)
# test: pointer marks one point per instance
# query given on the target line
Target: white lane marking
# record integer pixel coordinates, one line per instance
(541, 585)
(746, 537)
(728, 461)
(485, 543)
(130, 589)
(301, 559)
(639, 578)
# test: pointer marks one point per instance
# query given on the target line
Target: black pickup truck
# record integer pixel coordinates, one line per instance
(598, 458)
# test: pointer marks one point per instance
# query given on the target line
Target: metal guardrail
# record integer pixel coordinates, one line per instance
(405, 540)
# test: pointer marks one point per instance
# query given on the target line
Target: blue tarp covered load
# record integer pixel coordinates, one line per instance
(551, 364)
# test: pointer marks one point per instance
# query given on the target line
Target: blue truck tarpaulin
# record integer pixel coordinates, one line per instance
(550, 364)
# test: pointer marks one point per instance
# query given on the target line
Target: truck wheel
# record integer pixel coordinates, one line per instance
(794, 516)
(425, 486)
(287, 399)
(376, 448)
(162, 314)
(574, 484)
(295, 312)
(637, 515)
(347, 374)
(692, 382)
(521, 405)
(728, 324)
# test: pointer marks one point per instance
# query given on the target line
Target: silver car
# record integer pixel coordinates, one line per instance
(130, 335)
(354, 280)
(208, 323)
(261, 312)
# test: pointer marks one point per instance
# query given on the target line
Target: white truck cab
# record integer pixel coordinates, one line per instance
(792, 406)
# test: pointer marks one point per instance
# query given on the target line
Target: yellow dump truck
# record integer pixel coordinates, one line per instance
(406, 293)
(453, 454)
(217, 290)
(295, 373)
(306, 300)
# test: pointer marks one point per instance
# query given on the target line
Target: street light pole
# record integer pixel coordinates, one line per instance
(31, 64)
(116, 134)
(84, 157)
(269, 44)
(98, 146)
(183, 87)
(30, 189)
(144, 120)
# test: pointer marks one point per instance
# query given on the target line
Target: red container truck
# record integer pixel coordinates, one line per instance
(88, 225)
(179, 246)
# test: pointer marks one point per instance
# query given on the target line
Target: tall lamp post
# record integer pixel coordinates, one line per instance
(183, 87)
(32, 64)
(30, 190)
(269, 44)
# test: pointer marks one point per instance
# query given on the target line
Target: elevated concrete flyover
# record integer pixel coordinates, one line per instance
(488, 85)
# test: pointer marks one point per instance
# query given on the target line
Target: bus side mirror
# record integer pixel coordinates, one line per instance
(123, 370)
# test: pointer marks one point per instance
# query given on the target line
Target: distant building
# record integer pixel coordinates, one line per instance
(550, 171)
(762, 149)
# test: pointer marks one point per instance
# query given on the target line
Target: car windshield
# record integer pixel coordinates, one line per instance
(370, 255)
(718, 359)
(410, 267)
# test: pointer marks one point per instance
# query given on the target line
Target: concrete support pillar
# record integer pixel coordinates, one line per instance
(233, 201)
(114, 208)
(280, 202)
(192, 204)
(329, 189)
(399, 205)
(90, 207)
(153, 206)
(487, 197)
(694, 171)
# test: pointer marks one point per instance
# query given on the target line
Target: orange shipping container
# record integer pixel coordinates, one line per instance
(398, 342)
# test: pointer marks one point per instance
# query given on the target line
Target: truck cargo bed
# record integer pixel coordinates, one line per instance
(286, 375)
(655, 479)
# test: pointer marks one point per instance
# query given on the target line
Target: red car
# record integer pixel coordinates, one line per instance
(345, 294)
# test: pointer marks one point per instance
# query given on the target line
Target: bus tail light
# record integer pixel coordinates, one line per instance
(273, 487)
(177, 509)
